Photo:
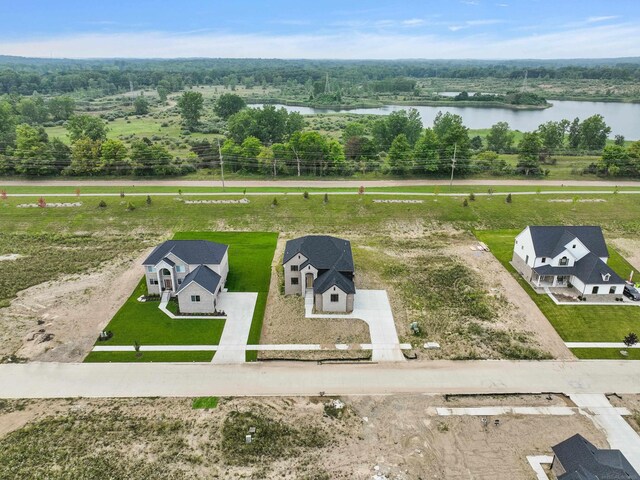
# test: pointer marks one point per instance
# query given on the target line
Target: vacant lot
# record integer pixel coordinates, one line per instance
(398, 436)
(584, 323)
(250, 255)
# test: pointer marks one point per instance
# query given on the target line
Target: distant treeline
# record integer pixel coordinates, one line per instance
(24, 76)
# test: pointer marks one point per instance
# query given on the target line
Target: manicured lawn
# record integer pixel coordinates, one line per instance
(105, 357)
(584, 323)
(250, 258)
(605, 353)
(204, 403)
(143, 322)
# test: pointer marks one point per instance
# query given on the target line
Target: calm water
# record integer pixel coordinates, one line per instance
(623, 118)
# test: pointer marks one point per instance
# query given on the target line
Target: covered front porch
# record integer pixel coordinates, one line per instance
(550, 281)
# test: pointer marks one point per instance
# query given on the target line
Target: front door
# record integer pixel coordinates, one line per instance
(309, 280)
(167, 284)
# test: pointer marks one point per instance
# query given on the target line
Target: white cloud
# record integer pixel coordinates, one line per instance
(474, 23)
(595, 41)
(413, 22)
(601, 19)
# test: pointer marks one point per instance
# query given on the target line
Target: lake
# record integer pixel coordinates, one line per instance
(623, 118)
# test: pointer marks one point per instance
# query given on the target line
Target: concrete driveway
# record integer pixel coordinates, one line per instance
(239, 307)
(373, 307)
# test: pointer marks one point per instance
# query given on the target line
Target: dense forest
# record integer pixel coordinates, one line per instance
(24, 76)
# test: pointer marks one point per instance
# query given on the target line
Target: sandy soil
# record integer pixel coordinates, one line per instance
(521, 313)
(284, 322)
(397, 434)
(629, 248)
(60, 321)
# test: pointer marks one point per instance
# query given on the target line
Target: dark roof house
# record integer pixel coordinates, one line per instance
(332, 258)
(578, 459)
(192, 252)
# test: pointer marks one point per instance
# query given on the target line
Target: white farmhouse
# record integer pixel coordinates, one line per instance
(194, 271)
(574, 258)
(322, 266)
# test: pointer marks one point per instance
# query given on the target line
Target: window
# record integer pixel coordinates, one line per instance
(544, 260)
(612, 290)
(526, 260)
(179, 281)
(195, 298)
(294, 268)
(573, 246)
(153, 281)
(335, 297)
(180, 268)
(564, 261)
(595, 290)
(606, 277)
(150, 269)
(294, 281)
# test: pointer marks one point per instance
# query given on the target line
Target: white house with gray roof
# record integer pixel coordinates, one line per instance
(193, 271)
(323, 266)
(573, 257)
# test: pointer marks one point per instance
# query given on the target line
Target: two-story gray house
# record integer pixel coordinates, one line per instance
(323, 266)
(194, 271)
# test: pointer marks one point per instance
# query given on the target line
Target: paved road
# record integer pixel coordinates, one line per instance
(56, 380)
(314, 183)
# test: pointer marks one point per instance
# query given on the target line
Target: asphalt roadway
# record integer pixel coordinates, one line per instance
(66, 380)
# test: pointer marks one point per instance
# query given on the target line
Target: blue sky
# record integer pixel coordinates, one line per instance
(494, 29)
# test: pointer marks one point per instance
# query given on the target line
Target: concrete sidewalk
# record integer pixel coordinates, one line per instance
(619, 345)
(373, 307)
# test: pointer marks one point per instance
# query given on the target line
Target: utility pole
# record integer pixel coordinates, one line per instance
(274, 166)
(297, 159)
(221, 164)
(453, 164)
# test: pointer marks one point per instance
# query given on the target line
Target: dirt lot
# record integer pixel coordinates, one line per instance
(285, 323)
(59, 321)
(399, 435)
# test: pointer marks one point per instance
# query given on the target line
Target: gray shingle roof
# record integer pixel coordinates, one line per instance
(330, 278)
(323, 252)
(203, 276)
(589, 269)
(549, 241)
(582, 460)
(192, 252)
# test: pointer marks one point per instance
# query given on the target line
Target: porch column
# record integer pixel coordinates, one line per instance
(174, 285)
(159, 280)
(555, 281)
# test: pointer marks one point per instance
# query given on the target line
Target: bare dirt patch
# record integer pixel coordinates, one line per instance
(629, 248)
(399, 435)
(60, 321)
(10, 256)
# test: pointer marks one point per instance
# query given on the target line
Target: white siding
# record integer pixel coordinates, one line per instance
(523, 247)
(205, 305)
(290, 289)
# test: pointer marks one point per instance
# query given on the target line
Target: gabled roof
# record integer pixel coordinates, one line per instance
(589, 269)
(549, 241)
(581, 460)
(330, 278)
(322, 251)
(192, 252)
(203, 276)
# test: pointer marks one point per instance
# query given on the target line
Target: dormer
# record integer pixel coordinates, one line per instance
(606, 277)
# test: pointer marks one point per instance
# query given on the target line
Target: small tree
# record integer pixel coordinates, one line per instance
(136, 347)
(179, 191)
(465, 203)
(41, 202)
(244, 192)
(508, 199)
(102, 204)
(131, 207)
(305, 195)
(630, 339)
(361, 190)
(472, 197)
(3, 194)
(77, 192)
(326, 198)
(275, 202)
(490, 191)
(121, 193)
(148, 199)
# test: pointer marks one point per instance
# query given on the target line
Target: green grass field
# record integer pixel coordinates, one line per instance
(584, 323)
(131, 357)
(605, 353)
(250, 257)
